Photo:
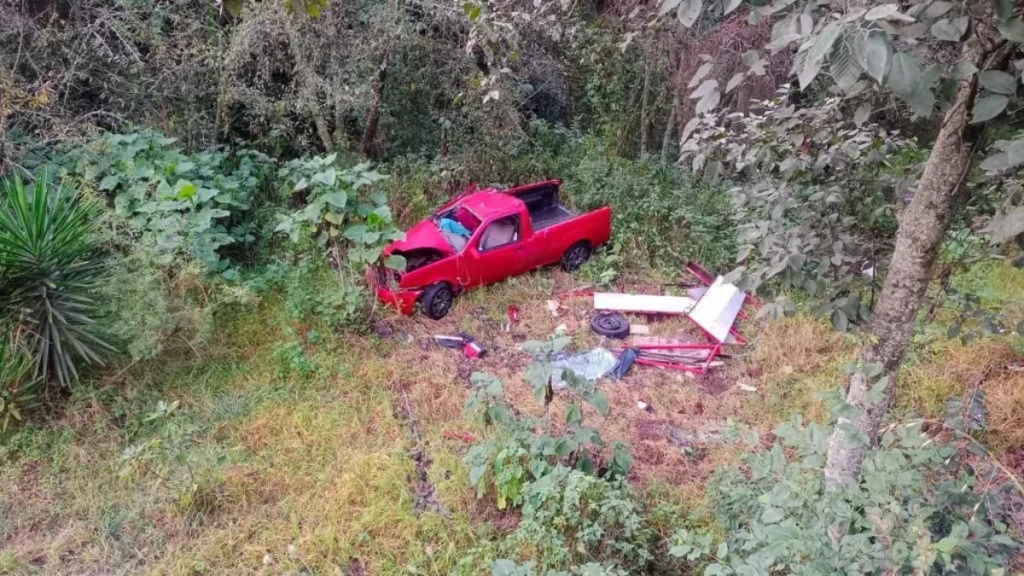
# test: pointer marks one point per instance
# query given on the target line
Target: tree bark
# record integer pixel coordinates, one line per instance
(923, 226)
(670, 126)
(645, 107)
(373, 115)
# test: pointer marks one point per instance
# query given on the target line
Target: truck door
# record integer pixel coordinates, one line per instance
(497, 252)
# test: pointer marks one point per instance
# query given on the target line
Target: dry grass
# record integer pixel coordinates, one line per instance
(322, 463)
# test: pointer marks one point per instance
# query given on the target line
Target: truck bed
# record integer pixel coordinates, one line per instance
(549, 216)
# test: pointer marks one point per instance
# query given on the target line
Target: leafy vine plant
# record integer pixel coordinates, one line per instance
(524, 449)
(339, 215)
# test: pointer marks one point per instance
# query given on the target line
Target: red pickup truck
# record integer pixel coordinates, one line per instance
(485, 236)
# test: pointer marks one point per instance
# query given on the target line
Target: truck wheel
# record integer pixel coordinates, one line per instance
(437, 300)
(576, 256)
(610, 324)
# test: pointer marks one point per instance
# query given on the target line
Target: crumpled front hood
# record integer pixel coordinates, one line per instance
(423, 235)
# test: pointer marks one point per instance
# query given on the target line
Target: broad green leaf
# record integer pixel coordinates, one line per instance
(600, 402)
(327, 177)
(938, 8)
(808, 72)
(668, 6)
(823, 42)
(110, 182)
(922, 102)
(337, 199)
(701, 72)
(840, 320)
(735, 81)
(356, 232)
(874, 55)
(730, 5)
(772, 515)
(963, 69)
(185, 190)
(950, 30)
(709, 102)
(881, 12)
(998, 82)
(988, 107)
(752, 59)
(689, 11)
(716, 569)
(862, 114)
(1012, 30)
(395, 262)
(705, 88)
(904, 75)
(688, 129)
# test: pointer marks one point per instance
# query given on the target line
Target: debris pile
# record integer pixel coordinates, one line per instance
(713, 307)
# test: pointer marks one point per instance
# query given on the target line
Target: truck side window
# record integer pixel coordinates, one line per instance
(499, 233)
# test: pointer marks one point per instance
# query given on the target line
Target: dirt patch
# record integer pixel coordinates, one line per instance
(424, 492)
(714, 383)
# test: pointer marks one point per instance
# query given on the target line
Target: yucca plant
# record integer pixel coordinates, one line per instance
(18, 387)
(48, 270)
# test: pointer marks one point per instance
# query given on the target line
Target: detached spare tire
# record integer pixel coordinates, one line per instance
(610, 324)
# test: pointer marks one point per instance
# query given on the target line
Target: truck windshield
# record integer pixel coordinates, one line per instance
(457, 226)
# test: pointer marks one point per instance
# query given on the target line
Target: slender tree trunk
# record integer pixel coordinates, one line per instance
(645, 106)
(670, 126)
(923, 226)
(340, 107)
(373, 115)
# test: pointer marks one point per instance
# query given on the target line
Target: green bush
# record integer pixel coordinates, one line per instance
(570, 517)
(313, 292)
(205, 205)
(920, 506)
(49, 271)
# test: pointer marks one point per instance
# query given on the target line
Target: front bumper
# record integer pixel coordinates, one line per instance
(404, 300)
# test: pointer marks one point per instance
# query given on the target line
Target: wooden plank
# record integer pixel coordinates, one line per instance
(670, 354)
(716, 311)
(643, 303)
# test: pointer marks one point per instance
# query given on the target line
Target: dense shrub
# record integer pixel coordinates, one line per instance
(920, 505)
(570, 517)
(202, 206)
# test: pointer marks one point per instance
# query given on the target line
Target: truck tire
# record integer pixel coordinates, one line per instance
(576, 256)
(437, 300)
(610, 325)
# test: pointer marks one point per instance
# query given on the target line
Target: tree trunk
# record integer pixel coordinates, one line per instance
(670, 127)
(923, 226)
(373, 115)
(645, 107)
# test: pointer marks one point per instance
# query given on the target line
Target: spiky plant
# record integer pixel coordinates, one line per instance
(18, 387)
(48, 270)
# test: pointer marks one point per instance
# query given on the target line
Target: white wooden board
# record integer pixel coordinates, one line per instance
(643, 303)
(716, 311)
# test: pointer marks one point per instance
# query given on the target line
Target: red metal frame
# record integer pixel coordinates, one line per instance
(714, 350)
